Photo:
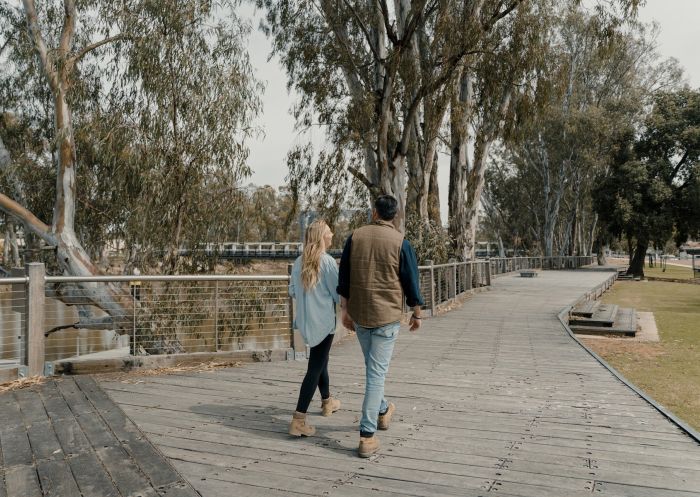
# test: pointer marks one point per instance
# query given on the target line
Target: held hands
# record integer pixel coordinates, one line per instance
(347, 320)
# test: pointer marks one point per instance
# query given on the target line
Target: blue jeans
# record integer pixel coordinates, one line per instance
(377, 346)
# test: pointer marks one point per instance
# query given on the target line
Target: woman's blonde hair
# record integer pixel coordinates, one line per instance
(313, 250)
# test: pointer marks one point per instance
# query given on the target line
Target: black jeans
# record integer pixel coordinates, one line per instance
(316, 374)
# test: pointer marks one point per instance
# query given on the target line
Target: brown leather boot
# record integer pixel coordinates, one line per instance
(368, 446)
(329, 406)
(299, 427)
(384, 419)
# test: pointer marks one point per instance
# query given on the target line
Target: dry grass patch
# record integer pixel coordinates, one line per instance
(669, 371)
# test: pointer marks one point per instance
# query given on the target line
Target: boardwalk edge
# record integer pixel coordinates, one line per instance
(665, 412)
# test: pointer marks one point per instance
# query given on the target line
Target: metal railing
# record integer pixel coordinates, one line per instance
(67, 318)
(441, 283)
(70, 318)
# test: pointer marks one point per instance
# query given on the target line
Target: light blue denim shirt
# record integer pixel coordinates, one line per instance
(315, 309)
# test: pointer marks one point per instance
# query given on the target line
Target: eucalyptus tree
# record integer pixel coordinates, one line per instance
(365, 69)
(594, 80)
(155, 100)
(486, 99)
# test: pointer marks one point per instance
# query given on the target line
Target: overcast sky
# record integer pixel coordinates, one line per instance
(679, 37)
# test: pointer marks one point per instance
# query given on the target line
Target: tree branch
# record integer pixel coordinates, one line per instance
(101, 323)
(497, 16)
(360, 176)
(68, 27)
(89, 48)
(29, 220)
(47, 62)
(391, 34)
(679, 165)
(363, 28)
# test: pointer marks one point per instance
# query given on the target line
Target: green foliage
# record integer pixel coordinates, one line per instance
(160, 117)
(652, 190)
(594, 80)
(429, 240)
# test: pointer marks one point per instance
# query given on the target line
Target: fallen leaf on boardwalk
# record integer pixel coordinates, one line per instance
(194, 368)
(22, 383)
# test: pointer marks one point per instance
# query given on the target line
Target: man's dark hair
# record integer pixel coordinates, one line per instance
(386, 207)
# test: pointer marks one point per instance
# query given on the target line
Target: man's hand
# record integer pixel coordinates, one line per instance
(414, 323)
(347, 320)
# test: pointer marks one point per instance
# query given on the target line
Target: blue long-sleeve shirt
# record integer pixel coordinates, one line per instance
(315, 309)
(408, 273)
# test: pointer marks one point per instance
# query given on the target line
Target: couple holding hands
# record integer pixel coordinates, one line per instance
(378, 268)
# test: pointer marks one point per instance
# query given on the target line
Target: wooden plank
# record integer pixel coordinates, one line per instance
(96, 430)
(15, 447)
(71, 437)
(31, 406)
(91, 477)
(22, 480)
(54, 403)
(43, 441)
(124, 472)
(74, 397)
(56, 479)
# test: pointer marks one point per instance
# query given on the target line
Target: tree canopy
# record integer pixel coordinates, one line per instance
(652, 191)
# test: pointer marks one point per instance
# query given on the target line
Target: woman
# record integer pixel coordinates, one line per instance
(313, 284)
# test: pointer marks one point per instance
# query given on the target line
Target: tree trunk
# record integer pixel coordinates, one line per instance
(434, 195)
(460, 112)
(637, 263)
(11, 245)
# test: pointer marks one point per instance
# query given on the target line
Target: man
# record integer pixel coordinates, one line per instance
(378, 267)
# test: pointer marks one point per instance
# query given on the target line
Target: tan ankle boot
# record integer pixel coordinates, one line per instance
(299, 427)
(329, 406)
(384, 419)
(368, 446)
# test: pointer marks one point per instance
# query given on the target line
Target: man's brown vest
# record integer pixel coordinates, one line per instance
(376, 295)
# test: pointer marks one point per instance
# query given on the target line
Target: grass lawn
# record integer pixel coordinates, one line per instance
(678, 272)
(668, 371)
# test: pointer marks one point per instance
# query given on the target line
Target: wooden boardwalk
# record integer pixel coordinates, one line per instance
(493, 399)
(66, 438)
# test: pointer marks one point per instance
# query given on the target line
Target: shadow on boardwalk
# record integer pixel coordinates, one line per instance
(493, 399)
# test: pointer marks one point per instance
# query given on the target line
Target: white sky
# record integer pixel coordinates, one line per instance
(679, 37)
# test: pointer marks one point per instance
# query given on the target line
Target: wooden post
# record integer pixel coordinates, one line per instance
(34, 350)
(468, 286)
(488, 274)
(432, 288)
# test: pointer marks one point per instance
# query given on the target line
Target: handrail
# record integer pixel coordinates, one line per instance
(188, 277)
(15, 280)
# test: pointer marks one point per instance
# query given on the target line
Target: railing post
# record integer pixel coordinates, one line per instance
(133, 323)
(290, 307)
(432, 287)
(216, 316)
(454, 278)
(488, 274)
(34, 321)
(469, 284)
